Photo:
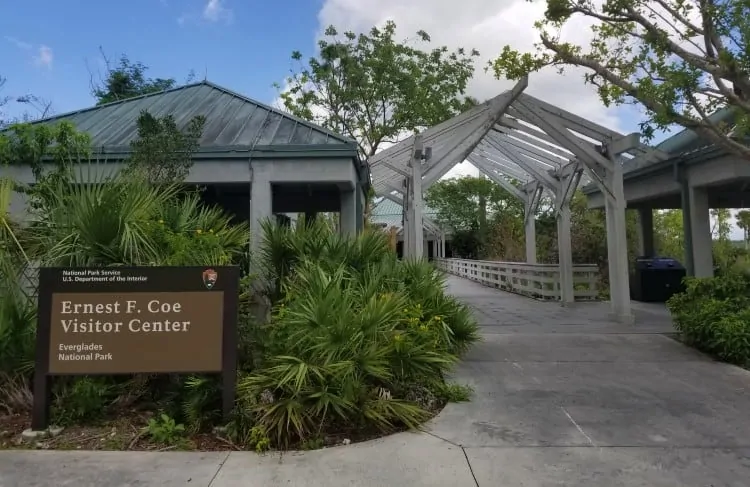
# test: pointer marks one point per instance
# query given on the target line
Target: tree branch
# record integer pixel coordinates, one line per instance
(703, 128)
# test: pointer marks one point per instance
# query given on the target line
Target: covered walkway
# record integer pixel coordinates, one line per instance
(563, 396)
(534, 150)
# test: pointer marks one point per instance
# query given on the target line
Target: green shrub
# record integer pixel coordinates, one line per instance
(352, 331)
(452, 392)
(713, 315)
(126, 221)
(81, 399)
(165, 430)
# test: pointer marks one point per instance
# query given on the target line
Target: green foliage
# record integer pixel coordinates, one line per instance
(463, 202)
(126, 221)
(669, 234)
(200, 402)
(472, 206)
(713, 314)
(743, 222)
(352, 327)
(164, 430)
(50, 151)
(81, 399)
(84, 221)
(373, 88)
(259, 440)
(451, 392)
(162, 152)
(126, 80)
(680, 59)
(17, 310)
(314, 443)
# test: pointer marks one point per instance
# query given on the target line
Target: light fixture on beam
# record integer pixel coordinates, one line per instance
(423, 154)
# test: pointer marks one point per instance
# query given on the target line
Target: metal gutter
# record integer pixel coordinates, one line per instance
(686, 139)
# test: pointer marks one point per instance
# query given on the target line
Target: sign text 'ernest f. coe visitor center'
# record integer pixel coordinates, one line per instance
(127, 320)
(136, 320)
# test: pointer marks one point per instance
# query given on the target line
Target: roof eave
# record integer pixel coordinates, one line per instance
(707, 154)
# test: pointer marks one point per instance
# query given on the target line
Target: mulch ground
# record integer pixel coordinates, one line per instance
(127, 433)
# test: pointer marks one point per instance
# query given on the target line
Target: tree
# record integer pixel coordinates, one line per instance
(724, 253)
(41, 107)
(467, 203)
(162, 151)
(50, 151)
(669, 234)
(374, 89)
(127, 79)
(470, 206)
(4, 99)
(681, 59)
(743, 221)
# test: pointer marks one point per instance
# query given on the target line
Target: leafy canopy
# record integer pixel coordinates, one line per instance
(462, 203)
(373, 89)
(680, 59)
(743, 222)
(128, 79)
(163, 152)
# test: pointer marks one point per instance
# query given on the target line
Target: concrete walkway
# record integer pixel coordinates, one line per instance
(563, 397)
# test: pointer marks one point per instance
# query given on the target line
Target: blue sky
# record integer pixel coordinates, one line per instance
(48, 47)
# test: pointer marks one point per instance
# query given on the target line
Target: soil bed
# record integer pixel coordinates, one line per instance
(127, 433)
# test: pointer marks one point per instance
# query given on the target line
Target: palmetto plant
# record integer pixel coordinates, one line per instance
(126, 221)
(92, 222)
(17, 306)
(89, 220)
(353, 329)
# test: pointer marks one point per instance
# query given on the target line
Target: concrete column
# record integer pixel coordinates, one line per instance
(646, 232)
(260, 203)
(442, 246)
(700, 233)
(348, 213)
(530, 231)
(361, 203)
(407, 237)
(415, 218)
(565, 256)
(617, 247)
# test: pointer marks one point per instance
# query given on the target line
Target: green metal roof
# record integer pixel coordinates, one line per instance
(232, 120)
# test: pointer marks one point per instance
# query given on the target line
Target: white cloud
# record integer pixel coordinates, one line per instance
(44, 57)
(215, 11)
(18, 43)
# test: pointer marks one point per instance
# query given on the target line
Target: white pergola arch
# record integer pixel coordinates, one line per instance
(514, 138)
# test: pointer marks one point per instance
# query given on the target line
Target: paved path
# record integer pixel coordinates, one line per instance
(563, 398)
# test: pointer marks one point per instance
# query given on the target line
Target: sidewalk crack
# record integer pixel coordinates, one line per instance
(221, 465)
(466, 456)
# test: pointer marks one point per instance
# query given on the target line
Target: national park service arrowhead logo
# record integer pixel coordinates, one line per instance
(209, 278)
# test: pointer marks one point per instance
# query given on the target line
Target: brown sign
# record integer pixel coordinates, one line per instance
(124, 320)
(102, 333)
